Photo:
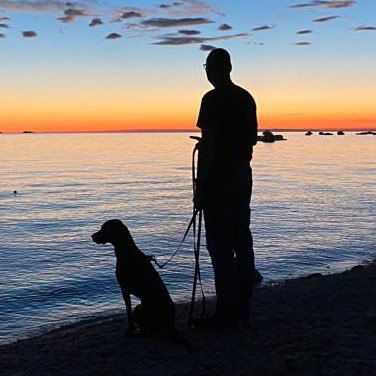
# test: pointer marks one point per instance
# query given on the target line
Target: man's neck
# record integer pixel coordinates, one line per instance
(226, 81)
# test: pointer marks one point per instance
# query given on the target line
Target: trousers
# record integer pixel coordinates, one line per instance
(229, 241)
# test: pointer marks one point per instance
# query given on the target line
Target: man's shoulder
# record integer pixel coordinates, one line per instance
(243, 92)
(217, 94)
(210, 94)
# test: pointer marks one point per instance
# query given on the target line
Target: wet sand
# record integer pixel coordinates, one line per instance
(317, 325)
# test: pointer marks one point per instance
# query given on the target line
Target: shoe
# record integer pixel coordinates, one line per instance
(217, 322)
(256, 277)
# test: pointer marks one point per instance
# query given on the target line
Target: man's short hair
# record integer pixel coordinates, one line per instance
(219, 59)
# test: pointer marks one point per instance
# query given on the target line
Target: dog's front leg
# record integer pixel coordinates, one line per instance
(128, 305)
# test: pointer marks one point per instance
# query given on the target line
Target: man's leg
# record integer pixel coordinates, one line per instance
(245, 268)
(219, 244)
(243, 245)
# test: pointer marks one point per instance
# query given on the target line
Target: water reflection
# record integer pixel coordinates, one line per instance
(313, 211)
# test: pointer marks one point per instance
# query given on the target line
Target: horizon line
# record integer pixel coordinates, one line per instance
(188, 130)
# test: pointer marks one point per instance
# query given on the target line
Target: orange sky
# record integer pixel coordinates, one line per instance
(79, 104)
(54, 101)
(89, 112)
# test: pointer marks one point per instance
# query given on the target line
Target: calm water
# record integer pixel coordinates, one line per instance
(313, 211)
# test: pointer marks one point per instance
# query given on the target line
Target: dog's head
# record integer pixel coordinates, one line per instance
(113, 231)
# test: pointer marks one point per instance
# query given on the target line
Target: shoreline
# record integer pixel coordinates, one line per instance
(318, 324)
(99, 317)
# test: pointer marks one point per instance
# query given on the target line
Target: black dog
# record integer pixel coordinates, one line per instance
(137, 276)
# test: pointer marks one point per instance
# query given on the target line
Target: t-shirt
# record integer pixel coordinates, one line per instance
(231, 111)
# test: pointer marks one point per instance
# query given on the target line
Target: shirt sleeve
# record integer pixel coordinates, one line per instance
(205, 116)
(252, 120)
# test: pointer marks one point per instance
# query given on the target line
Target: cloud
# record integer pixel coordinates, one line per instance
(302, 43)
(365, 28)
(304, 32)
(189, 32)
(126, 13)
(173, 22)
(341, 4)
(29, 34)
(263, 27)
(177, 10)
(189, 8)
(38, 5)
(70, 14)
(2, 35)
(95, 22)
(327, 4)
(71, 10)
(325, 19)
(4, 18)
(207, 47)
(168, 6)
(179, 41)
(113, 36)
(4, 26)
(224, 27)
(130, 14)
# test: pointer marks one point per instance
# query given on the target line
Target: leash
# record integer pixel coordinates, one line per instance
(196, 242)
(191, 222)
(197, 276)
(195, 211)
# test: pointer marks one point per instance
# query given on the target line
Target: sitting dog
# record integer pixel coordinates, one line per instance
(137, 276)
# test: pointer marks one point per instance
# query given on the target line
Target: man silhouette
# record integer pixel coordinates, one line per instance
(228, 123)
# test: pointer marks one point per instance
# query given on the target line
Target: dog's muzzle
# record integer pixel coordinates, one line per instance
(98, 238)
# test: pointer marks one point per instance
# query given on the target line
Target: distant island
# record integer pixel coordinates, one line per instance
(325, 134)
(321, 133)
(268, 136)
(366, 133)
(27, 132)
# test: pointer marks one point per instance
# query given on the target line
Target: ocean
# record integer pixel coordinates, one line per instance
(313, 210)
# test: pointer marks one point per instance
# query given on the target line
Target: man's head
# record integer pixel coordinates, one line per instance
(218, 66)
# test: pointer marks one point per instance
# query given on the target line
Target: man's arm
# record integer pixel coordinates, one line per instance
(205, 163)
(252, 121)
(206, 154)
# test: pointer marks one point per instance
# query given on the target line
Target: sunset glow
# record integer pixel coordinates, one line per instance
(309, 65)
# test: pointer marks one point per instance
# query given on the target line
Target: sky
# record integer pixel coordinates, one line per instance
(138, 65)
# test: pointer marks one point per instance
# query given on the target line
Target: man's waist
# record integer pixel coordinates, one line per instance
(232, 163)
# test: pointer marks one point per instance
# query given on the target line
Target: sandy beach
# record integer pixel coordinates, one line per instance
(315, 325)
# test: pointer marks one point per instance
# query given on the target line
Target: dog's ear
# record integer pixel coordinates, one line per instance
(120, 231)
(113, 225)
(116, 229)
